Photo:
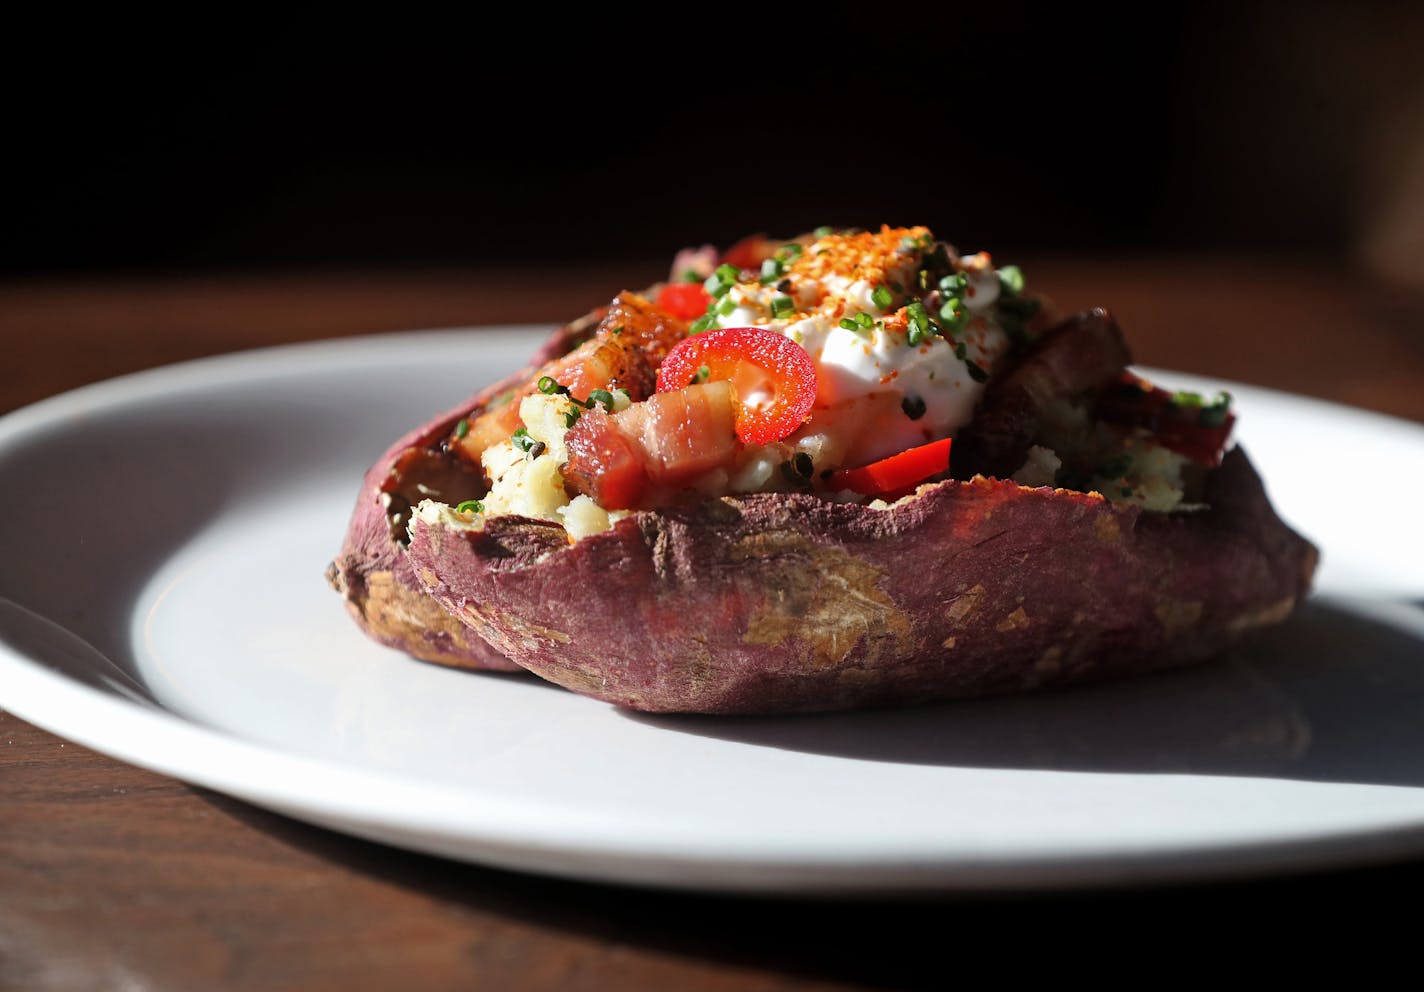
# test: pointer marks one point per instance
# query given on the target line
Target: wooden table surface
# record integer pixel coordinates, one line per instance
(115, 878)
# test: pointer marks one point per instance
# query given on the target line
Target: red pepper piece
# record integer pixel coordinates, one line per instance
(897, 475)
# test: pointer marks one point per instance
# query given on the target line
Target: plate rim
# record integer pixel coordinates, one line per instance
(611, 858)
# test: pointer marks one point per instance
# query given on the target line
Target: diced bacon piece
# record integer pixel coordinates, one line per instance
(605, 464)
(666, 441)
(689, 431)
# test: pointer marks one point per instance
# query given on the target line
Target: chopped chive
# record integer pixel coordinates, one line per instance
(954, 284)
(864, 321)
(847, 324)
(470, 506)
(823, 231)
(703, 374)
(782, 306)
(618, 330)
(724, 307)
(548, 385)
(723, 279)
(521, 440)
(600, 397)
(882, 297)
(462, 428)
(914, 407)
(1011, 280)
(771, 270)
(691, 275)
(920, 325)
(703, 323)
(953, 314)
(789, 251)
(571, 416)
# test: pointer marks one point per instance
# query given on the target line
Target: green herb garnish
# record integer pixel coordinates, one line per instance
(526, 443)
(470, 506)
(719, 282)
(954, 284)
(921, 327)
(1011, 280)
(952, 314)
(462, 428)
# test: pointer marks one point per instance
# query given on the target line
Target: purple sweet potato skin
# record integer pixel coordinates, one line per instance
(777, 603)
(372, 572)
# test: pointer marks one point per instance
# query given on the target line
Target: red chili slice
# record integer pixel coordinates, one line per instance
(774, 378)
(896, 475)
(684, 300)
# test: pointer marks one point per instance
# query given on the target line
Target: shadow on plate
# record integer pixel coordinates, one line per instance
(1336, 694)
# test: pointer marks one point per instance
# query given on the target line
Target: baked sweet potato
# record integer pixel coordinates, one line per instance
(764, 516)
(371, 570)
(787, 602)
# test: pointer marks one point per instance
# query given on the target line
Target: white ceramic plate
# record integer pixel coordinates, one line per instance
(162, 601)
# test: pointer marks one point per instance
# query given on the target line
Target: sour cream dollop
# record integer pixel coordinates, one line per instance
(850, 299)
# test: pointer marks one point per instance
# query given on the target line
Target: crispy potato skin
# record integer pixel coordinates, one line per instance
(371, 571)
(788, 603)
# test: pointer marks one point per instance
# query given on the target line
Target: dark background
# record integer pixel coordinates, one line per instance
(391, 141)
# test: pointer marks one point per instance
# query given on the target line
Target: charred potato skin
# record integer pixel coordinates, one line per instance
(372, 572)
(778, 604)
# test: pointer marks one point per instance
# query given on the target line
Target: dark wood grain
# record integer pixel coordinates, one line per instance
(115, 878)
